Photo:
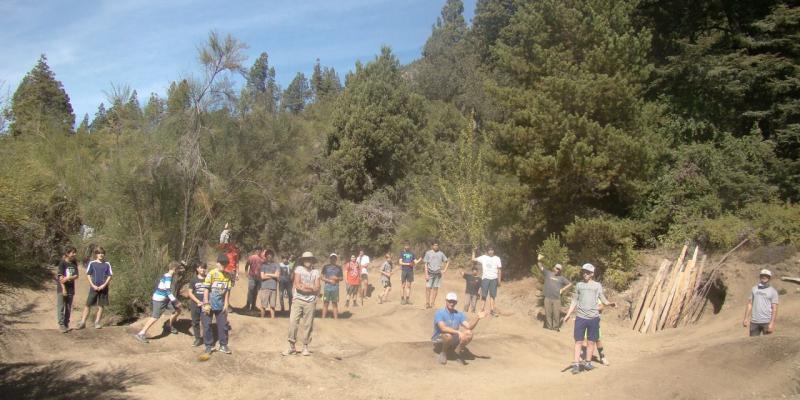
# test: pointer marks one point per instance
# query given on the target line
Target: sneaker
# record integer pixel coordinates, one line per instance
(306, 352)
(443, 357)
(402, 301)
(289, 351)
(209, 350)
(576, 369)
(588, 366)
(224, 349)
(174, 330)
(141, 338)
(63, 329)
(81, 325)
(197, 342)
(380, 300)
(427, 306)
(604, 361)
(495, 314)
(98, 325)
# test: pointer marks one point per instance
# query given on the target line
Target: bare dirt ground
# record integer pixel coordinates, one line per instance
(383, 351)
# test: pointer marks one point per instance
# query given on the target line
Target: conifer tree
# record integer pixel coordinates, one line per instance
(40, 104)
(83, 128)
(297, 94)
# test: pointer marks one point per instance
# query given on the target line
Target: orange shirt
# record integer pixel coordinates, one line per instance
(352, 273)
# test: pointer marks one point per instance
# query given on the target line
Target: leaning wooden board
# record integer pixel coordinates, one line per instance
(651, 293)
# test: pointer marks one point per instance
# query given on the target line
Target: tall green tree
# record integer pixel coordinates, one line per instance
(324, 82)
(296, 95)
(40, 104)
(261, 85)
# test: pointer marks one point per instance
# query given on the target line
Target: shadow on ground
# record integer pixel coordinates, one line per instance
(65, 380)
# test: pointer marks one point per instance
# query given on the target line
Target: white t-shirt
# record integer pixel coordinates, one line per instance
(363, 261)
(490, 266)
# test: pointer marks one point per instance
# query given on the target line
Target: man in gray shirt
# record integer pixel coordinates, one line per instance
(587, 318)
(554, 285)
(434, 260)
(270, 272)
(762, 309)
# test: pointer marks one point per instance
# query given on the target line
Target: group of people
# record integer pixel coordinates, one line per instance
(209, 297)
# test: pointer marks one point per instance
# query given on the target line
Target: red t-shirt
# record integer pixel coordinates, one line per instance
(255, 262)
(233, 260)
(353, 273)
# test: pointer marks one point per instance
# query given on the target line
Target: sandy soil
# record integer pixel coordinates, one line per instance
(382, 351)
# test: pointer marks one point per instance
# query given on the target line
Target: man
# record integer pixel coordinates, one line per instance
(65, 287)
(331, 275)
(407, 263)
(386, 277)
(99, 274)
(762, 308)
(253, 269)
(216, 300)
(306, 288)
(285, 282)
(197, 288)
(434, 260)
(363, 263)
(554, 285)
(587, 319)
(225, 236)
(163, 299)
(452, 330)
(270, 273)
(491, 277)
(353, 280)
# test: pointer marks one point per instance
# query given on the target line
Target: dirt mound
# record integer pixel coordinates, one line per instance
(384, 351)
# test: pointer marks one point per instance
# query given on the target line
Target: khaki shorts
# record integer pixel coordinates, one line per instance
(268, 297)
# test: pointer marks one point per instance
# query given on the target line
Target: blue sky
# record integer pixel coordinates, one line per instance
(146, 44)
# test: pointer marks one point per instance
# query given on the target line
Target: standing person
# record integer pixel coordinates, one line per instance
(386, 278)
(434, 259)
(452, 330)
(99, 274)
(197, 289)
(587, 318)
(216, 300)
(225, 236)
(407, 262)
(306, 288)
(353, 281)
(270, 273)
(65, 287)
(491, 277)
(472, 290)
(253, 269)
(163, 299)
(232, 267)
(331, 275)
(363, 263)
(762, 308)
(285, 283)
(554, 285)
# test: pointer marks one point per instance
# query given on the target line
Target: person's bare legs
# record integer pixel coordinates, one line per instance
(448, 343)
(85, 315)
(335, 310)
(150, 321)
(99, 315)
(272, 312)
(325, 308)
(578, 346)
(434, 292)
(427, 296)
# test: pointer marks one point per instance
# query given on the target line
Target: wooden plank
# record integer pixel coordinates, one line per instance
(650, 327)
(659, 310)
(691, 291)
(680, 292)
(648, 318)
(790, 279)
(651, 293)
(637, 307)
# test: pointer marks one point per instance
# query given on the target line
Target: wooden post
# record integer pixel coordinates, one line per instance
(637, 307)
(659, 311)
(680, 292)
(651, 293)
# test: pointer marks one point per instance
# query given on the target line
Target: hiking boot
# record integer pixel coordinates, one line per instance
(408, 302)
(63, 329)
(197, 342)
(588, 366)
(141, 338)
(289, 351)
(576, 369)
(495, 314)
(209, 350)
(443, 357)
(224, 349)
(604, 361)
(306, 352)
(81, 325)
(98, 325)
(173, 330)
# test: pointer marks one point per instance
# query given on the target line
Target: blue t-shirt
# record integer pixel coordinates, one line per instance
(451, 319)
(330, 271)
(99, 271)
(408, 258)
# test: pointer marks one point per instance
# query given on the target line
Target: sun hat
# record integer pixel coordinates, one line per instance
(588, 267)
(451, 296)
(766, 272)
(306, 255)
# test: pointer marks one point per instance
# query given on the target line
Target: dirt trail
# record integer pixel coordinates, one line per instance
(384, 352)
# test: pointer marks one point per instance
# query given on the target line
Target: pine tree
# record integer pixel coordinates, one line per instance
(261, 86)
(154, 111)
(316, 81)
(40, 104)
(83, 128)
(100, 120)
(178, 97)
(297, 94)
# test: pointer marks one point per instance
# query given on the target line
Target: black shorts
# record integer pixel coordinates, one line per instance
(97, 298)
(757, 329)
(407, 275)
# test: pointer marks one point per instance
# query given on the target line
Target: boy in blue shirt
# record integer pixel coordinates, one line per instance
(162, 300)
(99, 274)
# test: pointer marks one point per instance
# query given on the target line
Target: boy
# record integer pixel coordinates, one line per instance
(587, 319)
(353, 274)
(253, 269)
(386, 278)
(285, 282)
(407, 262)
(270, 272)
(331, 275)
(472, 290)
(65, 289)
(762, 308)
(99, 274)
(197, 287)
(306, 289)
(216, 299)
(163, 299)
(363, 263)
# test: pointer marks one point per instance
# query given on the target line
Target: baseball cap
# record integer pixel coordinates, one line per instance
(333, 255)
(558, 266)
(588, 267)
(766, 272)
(451, 297)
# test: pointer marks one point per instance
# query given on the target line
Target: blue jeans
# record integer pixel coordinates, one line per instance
(222, 327)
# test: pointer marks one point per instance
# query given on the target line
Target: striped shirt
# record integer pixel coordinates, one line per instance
(164, 289)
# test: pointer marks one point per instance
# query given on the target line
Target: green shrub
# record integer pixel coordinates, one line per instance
(607, 243)
(775, 224)
(710, 233)
(553, 252)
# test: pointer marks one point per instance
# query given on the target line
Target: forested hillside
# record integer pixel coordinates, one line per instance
(584, 128)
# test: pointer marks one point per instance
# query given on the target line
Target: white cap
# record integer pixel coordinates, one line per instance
(451, 296)
(766, 272)
(333, 255)
(558, 266)
(588, 267)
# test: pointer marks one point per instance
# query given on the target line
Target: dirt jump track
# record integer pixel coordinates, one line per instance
(383, 351)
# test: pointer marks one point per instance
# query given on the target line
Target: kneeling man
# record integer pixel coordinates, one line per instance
(452, 330)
